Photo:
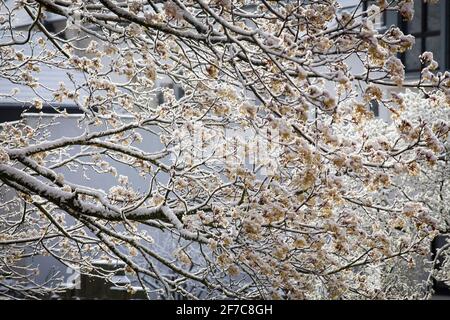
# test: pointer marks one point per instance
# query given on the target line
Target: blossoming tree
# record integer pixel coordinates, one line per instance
(311, 197)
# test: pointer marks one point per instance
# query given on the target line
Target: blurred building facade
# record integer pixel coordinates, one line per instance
(430, 26)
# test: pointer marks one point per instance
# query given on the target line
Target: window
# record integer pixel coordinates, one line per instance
(177, 90)
(440, 287)
(426, 28)
(374, 106)
(447, 30)
(353, 6)
(380, 20)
